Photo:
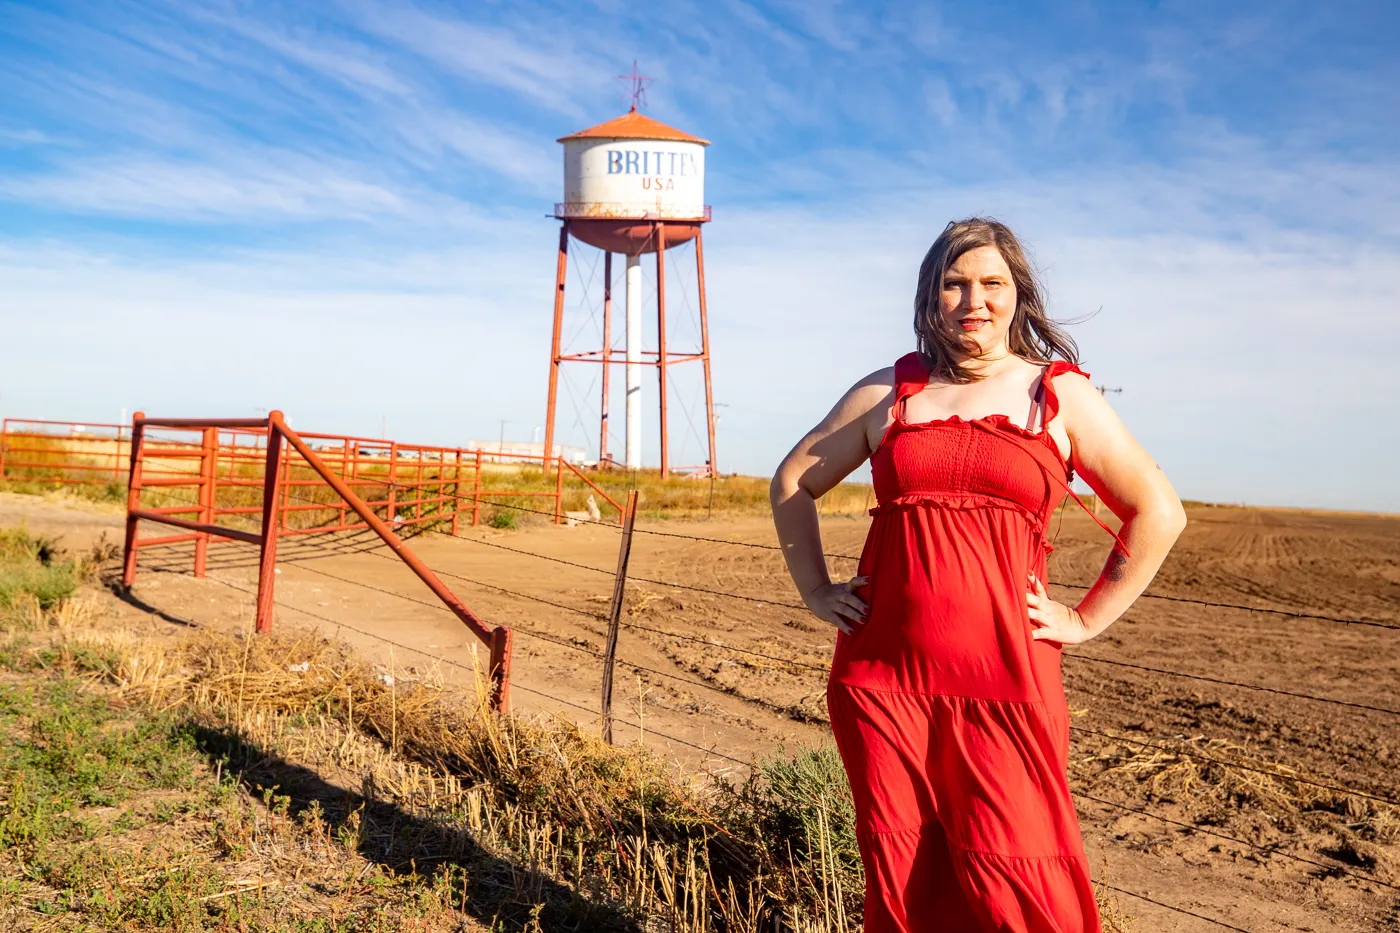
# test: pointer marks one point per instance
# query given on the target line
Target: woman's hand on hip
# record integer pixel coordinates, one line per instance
(1054, 621)
(838, 604)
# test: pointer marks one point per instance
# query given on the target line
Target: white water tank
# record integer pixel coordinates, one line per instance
(633, 168)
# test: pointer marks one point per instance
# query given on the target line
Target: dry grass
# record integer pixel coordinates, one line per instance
(1272, 803)
(520, 822)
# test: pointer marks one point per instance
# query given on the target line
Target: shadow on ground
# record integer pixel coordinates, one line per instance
(498, 892)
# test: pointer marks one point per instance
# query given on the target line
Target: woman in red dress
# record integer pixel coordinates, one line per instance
(945, 692)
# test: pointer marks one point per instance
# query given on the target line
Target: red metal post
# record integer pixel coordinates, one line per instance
(607, 356)
(476, 493)
(345, 472)
(705, 348)
(558, 489)
(133, 499)
(208, 452)
(498, 638)
(560, 273)
(661, 340)
(286, 497)
(267, 559)
(456, 491)
(392, 515)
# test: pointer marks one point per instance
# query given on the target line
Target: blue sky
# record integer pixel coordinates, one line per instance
(339, 210)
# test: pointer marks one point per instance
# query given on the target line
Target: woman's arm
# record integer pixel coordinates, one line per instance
(1137, 491)
(827, 455)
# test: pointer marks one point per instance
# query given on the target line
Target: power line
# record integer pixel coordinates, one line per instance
(1235, 683)
(457, 664)
(1083, 657)
(1180, 910)
(714, 644)
(1287, 613)
(678, 586)
(1375, 623)
(533, 633)
(1235, 839)
(1191, 753)
(595, 615)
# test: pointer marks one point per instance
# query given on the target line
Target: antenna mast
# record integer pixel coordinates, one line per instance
(637, 85)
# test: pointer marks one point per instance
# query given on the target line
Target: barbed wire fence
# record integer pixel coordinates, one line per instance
(621, 578)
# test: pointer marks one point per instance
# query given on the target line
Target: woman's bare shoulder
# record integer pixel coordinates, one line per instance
(865, 396)
(872, 389)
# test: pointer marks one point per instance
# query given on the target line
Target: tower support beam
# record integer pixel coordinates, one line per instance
(634, 362)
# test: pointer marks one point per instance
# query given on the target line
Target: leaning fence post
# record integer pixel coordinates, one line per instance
(267, 558)
(500, 669)
(624, 553)
(133, 498)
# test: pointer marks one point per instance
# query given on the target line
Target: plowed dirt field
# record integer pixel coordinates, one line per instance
(1310, 701)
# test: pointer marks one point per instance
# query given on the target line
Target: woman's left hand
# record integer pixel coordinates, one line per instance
(1054, 621)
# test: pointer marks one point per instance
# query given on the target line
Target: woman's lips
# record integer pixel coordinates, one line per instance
(973, 323)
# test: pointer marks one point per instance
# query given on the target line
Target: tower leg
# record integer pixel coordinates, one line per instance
(705, 349)
(562, 271)
(634, 362)
(661, 342)
(607, 358)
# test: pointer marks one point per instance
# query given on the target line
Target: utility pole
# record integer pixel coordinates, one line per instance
(1104, 390)
(501, 445)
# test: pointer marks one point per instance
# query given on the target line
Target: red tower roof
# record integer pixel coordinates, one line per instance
(634, 126)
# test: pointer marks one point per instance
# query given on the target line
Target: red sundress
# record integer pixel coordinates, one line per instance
(950, 719)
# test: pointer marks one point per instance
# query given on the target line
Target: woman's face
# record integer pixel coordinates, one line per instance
(979, 299)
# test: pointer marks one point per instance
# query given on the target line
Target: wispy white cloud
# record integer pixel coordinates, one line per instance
(166, 190)
(845, 136)
(547, 70)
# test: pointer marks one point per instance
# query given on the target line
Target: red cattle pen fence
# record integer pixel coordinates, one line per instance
(67, 453)
(262, 465)
(421, 483)
(255, 481)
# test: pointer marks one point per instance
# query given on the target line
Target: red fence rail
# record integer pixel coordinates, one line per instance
(411, 483)
(64, 452)
(186, 456)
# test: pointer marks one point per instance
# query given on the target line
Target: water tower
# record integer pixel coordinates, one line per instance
(633, 187)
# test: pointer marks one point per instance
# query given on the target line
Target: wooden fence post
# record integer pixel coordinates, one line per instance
(133, 498)
(624, 553)
(271, 519)
(500, 669)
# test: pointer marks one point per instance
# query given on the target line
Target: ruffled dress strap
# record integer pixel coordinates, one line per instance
(1047, 386)
(1041, 453)
(910, 378)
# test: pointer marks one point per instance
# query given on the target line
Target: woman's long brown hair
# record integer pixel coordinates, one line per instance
(1033, 336)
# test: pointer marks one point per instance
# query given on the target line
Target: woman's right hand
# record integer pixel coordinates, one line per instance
(838, 604)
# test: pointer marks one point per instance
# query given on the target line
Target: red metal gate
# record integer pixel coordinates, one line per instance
(292, 489)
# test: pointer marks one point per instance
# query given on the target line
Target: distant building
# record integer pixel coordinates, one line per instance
(514, 451)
